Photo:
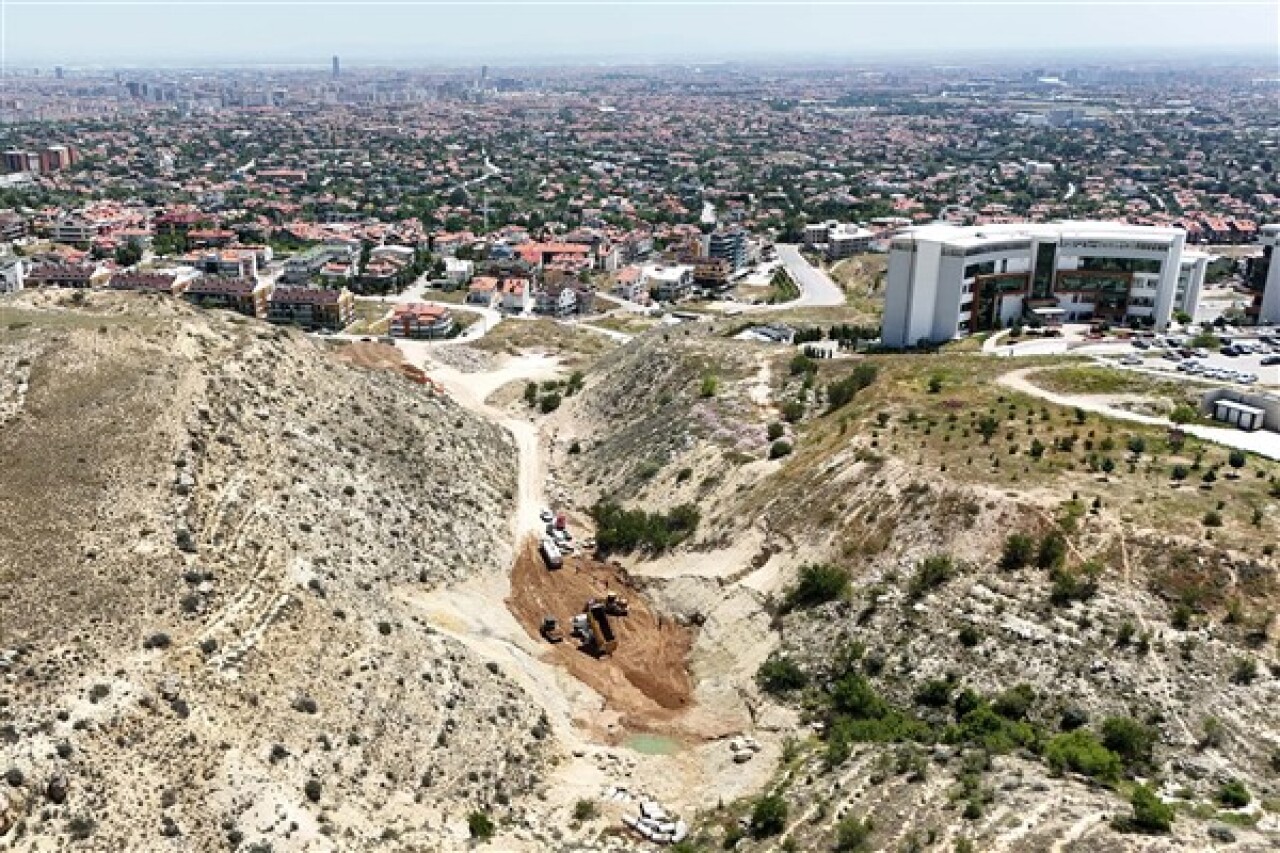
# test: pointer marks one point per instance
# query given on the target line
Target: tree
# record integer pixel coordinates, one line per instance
(1137, 444)
(1019, 549)
(128, 254)
(935, 384)
(531, 393)
(987, 426)
(1237, 459)
(1052, 552)
(769, 816)
(1131, 740)
(1037, 448)
(549, 403)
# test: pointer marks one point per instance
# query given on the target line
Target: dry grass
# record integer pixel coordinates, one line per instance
(862, 280)
(576, 346)
(940, 432)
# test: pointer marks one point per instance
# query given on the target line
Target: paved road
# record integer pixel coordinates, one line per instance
(816, 287)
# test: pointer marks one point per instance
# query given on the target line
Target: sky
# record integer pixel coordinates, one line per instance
(126, 33)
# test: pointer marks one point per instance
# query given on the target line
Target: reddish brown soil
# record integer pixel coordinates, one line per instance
(646, 680)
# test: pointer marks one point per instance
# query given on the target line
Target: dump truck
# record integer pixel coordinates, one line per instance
(551, 553)
(602, 640)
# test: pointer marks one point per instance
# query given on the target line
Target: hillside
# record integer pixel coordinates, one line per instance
(209, 530)
(999, 593)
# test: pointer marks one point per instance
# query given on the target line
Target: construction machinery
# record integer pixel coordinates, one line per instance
(550, 630)
(616, 605)
(600, 639)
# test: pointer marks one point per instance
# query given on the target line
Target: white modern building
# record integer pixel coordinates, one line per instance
(838, 239)
(1264, 276)
(948, 281)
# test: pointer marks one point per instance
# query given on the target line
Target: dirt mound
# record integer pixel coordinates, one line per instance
(646, 681)
(378, 356)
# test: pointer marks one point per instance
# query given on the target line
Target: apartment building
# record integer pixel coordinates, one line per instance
(667, 283)
(73, 231)
(729, 244)
(169, 284)
(947, 281)
(311, 307)
(838, 239)
(65, 275)
(242, 295)
(556, 300)
(304, 266)
(418, 320)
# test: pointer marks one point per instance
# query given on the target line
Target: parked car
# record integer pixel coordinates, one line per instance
(1131, 360)
(1271, 360)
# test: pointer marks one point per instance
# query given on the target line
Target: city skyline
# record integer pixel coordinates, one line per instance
(399, 34)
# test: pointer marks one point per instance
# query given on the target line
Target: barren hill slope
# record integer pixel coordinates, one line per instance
(1021, 613)
(206, 527)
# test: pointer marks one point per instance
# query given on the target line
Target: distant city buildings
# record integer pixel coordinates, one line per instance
(946, 282)
(43, 161)
(336, 67)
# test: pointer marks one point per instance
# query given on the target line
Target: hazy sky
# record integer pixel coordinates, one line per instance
(140, 32)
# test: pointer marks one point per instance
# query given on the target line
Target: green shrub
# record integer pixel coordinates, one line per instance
(549, 403)
(931, 573)
(1014, 703)
(1081, 752)
(1131, 740)
(841, 392)
(818, 583)
(793, 411)
(775, 431)
(853, 835)
(779, 449)
(935, 693)
(585, 810)
(1052, 552)
(769, 816)
(625, 530)
(1019, 549)
(780, 675)
(1150, 814)
(710, 384)
(481, 826)
(1234, 795)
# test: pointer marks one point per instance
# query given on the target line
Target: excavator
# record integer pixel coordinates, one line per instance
(616, 605)
(592, 625)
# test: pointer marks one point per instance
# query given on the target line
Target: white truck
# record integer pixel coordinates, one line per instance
(551, 553)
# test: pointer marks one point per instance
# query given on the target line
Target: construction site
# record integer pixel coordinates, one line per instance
(596, 624)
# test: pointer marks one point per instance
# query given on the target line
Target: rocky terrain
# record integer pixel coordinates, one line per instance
(209, 530)
(260, 594)
(1141, 617)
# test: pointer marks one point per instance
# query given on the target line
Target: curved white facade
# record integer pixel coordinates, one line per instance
(947, 281)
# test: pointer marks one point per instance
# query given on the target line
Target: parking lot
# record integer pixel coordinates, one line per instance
(1243, 368)
(1171, 355)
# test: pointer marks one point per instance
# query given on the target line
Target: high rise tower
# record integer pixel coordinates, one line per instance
(335, 66)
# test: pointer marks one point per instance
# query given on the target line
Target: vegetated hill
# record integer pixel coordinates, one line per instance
(960, 690)
(209, 528)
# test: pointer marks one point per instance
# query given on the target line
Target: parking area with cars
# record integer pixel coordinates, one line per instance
(1243, 358)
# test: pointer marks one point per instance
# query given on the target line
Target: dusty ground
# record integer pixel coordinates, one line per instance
(645, 684)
